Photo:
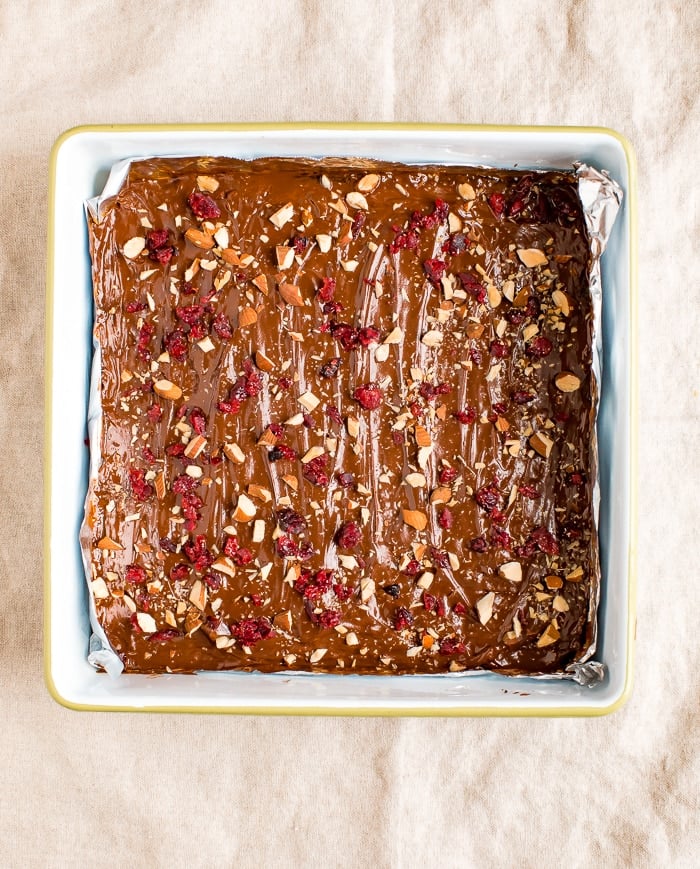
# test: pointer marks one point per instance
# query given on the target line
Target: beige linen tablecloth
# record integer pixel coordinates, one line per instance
(133, 790)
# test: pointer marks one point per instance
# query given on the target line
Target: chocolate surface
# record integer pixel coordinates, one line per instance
(348, 412)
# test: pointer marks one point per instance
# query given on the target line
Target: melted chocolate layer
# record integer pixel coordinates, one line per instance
(348, 413)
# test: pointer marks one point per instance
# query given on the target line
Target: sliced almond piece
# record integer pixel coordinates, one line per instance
(475, 330)
(168, 390)
(550, 635)
(291, 295)
(353, 425)
(324, 242)
(221, 237)
(198, 595)
(575, 575)
(532, 256)
(282, 215)
(309, 401)
(562, 301)
(159, 483)
(466, 191)
(395, 336)
(351, 639)
(261, 283)
(422, 436)
(231, 257)
(367, 589)
(316, 655)
(245, 509)
(247, 317)
(312, 453)
(357, 200)
(207, 183)
(285, 256)
(432, 338)
(109, 544)
(234, 453)
(133, 247)
(381, 353)
(263, 362)
(553, 581)
(415, 518)
(255, 490)
(484, 607)
(425, 580)
(195, 446)
(283, 620)
(441, 495)
(511, 570)
(99, 588)
(368, 183)
(416, 480)
(541, 444)
(560, 604)
(224, 565)
(146, 623)
(199, 239)
(567, 382)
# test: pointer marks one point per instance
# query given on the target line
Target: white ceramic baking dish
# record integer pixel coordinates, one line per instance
(80, 163)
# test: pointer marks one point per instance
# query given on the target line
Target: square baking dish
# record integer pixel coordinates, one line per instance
(80, 163)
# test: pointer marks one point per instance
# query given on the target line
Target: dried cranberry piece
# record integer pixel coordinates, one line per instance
(167, 545)
(576, 478)
(348, 535)
(478, 544)
(456, 244)
(231, 405)
(528, 491)
(222, 326)
(330, 367)
(403, 619)
(333, 414)
(500, 538)
(198, 420)
(368, 395)
(176, 344)
(434, 269)
(184, 483)
(520, 396)
(445, 518)
(299, 243)
(427, 391)
(346, 335)
(243, 556)
(231, 545)
(473, 286)
(498, 348)
(315, 471)
(539, 347)
(498, 516)
(526, 549)
(398, 438)
(191, 507)
(327, 289)
(497, 201)
(475, 355)
(291, 521)
(404, 240)
(135, 574)
(203, 206)
(135, 307)
(212, 581)
(447, 475)
(142, 490)
(544, 541)
(345, 479)
(281, 452)
(412, 568)
(466, 416)
(429, 601)
(330, 309)
(179, 572)
(198, 332)
(188, 288)
(357, 223)
(394, 589)
(248, 632)
(459, 608)
(329, 618)
(175, 450)
(189, 314)
(516, 316)
(368, 335)
(146, 332)
(284, 383)
(154, 413)
(439, 557)
(158, 247)
(452, 646)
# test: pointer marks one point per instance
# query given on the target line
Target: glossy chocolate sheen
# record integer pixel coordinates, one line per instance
(396, 539)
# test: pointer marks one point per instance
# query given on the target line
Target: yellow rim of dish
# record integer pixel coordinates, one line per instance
(389, 711)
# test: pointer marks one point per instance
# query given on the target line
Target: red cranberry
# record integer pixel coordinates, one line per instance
(522, 397)
(248, 632)
(500, 538)
(330, 367)
(368, 335)
(447, 476)
(544, 541)
(499, 349)
(315, 471)
(368, 395)
(135, 574)
(329, 618)
(497, 201)
(459, 608)
(176, 344)
(429, 601)
(478, 544)
(146, 332)
(286, 547)
(142, 490)
(281, 452)
(327, 289)
(348, 535)
(412, 568)
(403, 619)
(466, 416)
(154, 413)
(528, 491)
(198, 420)
(434, 269)
(184, 483)
(346, 335)
(167, 635)
(357, 223)
(539, 347)
(203, 206)
(445, 518)
(291, 521)
(488, 497)
(222, 326)
(473, 286)
(345, 479)
(452, 646)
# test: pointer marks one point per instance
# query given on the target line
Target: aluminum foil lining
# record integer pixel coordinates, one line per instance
(601, 198)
